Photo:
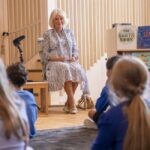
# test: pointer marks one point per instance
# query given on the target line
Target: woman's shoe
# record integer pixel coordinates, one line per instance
(73, 110)
(66, 109)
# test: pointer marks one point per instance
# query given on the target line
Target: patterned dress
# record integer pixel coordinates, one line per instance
(57, 73)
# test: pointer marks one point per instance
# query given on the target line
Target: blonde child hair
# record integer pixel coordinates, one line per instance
(129, 80)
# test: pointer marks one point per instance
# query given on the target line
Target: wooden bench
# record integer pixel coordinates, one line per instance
(40, 90)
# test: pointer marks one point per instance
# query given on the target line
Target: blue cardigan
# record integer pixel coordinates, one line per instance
(103, 101)
(113, 125)
(31, 109)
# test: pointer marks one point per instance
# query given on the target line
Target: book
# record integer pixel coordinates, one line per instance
(143, 39)
(144, 56)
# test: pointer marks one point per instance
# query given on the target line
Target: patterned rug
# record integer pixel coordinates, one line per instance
(72, 138)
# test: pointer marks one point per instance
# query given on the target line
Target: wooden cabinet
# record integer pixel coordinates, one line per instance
(121, 38)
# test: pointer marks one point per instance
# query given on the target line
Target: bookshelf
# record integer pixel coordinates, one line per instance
(123, 40)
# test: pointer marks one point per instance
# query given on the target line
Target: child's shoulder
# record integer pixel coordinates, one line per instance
(114, 113)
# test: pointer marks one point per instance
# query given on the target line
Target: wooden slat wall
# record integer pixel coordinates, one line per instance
(25, 17)
(90, 19)
(3, 28)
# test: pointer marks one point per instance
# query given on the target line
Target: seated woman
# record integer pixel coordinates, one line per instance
(126, 126)
(14, 130)
(61, 59)
(17, 75)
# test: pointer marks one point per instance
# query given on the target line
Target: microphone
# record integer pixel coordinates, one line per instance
(16, 41)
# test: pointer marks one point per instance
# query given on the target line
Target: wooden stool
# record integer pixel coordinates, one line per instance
(40, 90)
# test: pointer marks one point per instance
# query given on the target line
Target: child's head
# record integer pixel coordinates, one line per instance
(110, 64)
(129, 77)
(17, 74)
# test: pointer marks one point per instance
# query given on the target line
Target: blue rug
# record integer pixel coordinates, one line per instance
(72, 138)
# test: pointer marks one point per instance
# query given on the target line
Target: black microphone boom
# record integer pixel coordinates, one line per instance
(16, 41)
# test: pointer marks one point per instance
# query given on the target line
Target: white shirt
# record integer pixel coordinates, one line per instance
(13, 143)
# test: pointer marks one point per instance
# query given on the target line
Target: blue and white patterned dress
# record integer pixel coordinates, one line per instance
(57, 73)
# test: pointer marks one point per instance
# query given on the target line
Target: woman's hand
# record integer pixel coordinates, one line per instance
(57, 58)
(61, 58)
(73, 59)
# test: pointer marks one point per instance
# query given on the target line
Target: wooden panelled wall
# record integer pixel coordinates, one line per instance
(24, 17)
(3, 27)
(90, 19)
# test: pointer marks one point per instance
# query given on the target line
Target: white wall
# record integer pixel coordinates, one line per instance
(51, 6)
(97, 77)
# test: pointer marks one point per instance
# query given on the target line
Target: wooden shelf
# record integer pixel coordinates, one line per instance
(133, 50)
(126, 52)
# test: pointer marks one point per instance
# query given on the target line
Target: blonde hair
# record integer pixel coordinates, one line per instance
(61, 13)
(9, 112)
(129, 79)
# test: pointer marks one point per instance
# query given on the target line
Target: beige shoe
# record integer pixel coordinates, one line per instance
(73, 110)
(66, 109)
(88, 123)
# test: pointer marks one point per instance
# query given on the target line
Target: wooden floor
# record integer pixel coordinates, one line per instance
(57, 119)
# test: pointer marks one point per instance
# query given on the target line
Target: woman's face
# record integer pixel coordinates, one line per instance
(58, 23)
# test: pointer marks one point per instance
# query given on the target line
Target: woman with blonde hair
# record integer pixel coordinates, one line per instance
(14, 131)
(127, 125)
(60, 55)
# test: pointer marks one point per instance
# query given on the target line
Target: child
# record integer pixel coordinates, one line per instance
(17, 75)
(102, 102)
(126, 126)
(14, 131)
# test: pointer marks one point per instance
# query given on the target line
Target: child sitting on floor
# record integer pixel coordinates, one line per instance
(126, 126)
(17, 75)
(102, 102)
(14, 130)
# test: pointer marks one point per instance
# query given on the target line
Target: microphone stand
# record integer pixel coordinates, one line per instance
(20, 52)
(16, 42)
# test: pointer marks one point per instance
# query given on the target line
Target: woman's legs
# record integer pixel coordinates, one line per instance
(74, 86)
(70, 88)
(70, 94)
